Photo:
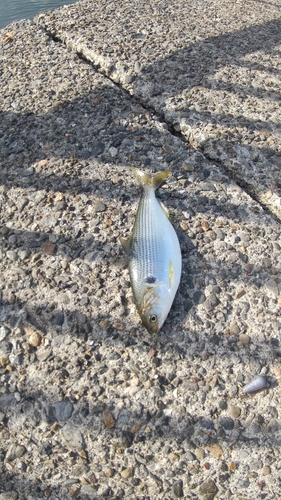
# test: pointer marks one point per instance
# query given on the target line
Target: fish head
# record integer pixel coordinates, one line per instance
(155, 307)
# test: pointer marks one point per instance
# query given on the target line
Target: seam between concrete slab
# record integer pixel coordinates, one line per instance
(79, 49)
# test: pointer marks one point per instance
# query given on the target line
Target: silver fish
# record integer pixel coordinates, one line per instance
(154, 255)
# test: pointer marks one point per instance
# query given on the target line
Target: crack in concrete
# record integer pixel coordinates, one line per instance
(79, 50)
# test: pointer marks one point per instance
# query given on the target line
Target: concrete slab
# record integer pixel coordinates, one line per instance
(211, 69)
(91, 406)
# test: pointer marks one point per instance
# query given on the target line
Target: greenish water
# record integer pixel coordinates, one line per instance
(15, 10)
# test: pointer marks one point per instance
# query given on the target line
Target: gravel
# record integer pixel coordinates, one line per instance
(91, 406)
(210, 69)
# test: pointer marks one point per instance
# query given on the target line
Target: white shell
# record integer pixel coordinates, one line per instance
(257, 384)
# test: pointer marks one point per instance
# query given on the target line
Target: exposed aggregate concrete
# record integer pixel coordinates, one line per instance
(212, 69)
(91, 406)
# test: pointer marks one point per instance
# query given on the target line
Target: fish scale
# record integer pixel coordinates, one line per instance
(147, 260)
(154, 255)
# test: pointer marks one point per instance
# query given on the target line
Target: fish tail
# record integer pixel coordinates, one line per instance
(153, 181)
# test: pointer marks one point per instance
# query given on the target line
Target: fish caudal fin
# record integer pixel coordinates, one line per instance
(146, 180)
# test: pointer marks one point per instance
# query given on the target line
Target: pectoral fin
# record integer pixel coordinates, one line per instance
(165, 209)
(126, 244)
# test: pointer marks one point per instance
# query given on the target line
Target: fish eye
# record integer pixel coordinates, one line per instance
(153, 318)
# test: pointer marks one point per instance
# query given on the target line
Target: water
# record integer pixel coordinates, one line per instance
(15, 10)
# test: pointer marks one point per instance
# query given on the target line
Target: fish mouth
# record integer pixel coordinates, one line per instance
(152, 331)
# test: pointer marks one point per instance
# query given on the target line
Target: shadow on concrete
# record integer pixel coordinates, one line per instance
(47, 153)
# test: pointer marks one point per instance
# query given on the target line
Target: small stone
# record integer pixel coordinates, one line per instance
(126, 439)
(234, 411)
(58, 319)
(27, 172)
(178, 488)
(24, 254)
(109, 472)
(126, 473)
(4, 230)
(158, 393)
(277, 372)
(3, 360)
(48, 248)
(188, 385)
(234, 328)
(272, 287)
(227, 423)
(27, 408)
(205, 225)
(99, 206)
(173, 457)
(43, 355)
(240, 294)
(15, 451)
(137, 66)
(199, 453)
(208, 489)
(215, 450)
(129, 79)
(189, 457)
(252, 474)
(12, 298)
(183, 226)
(187, 166)
(9, 495)
(152, 352)
(207, 186)
(63, 410)
(113, 151)
(73, 437)
(188, 304)
(34, 338)
(108, 419)
(232, 466)
(211, 302)
(118, 326)
(97, 148)
(22, 203)
(134, 390)
(12, 255)
(136, 427)
(266, 470)
(148, 384)
(92, 478)
(4, 332)
(74, 490)
(244, 339)
(242, 256)
(199, 297)
(255, 465)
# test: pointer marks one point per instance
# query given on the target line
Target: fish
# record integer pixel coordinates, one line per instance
(154, 254)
